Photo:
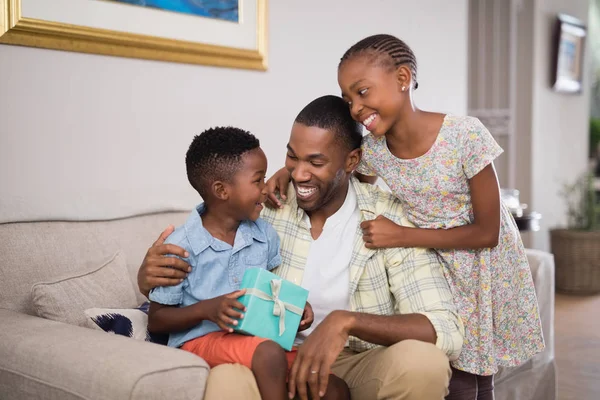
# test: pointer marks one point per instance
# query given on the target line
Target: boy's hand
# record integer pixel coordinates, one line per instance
(225, 310)
(279, 182)
(307, 318)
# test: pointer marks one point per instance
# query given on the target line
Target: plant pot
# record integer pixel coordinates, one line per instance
(577, 260)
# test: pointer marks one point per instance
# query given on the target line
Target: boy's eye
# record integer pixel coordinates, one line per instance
(292, 157)
(316, 164)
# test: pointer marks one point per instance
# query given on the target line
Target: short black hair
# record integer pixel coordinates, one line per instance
(333, 114)
(386, 49)
(216, 155)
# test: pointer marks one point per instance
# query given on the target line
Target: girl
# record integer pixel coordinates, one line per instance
(441, 168)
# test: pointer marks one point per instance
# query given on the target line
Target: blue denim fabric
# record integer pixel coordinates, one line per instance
(217, 268)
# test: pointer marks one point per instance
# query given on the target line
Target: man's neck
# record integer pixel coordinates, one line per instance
(220, 224)
(320, 216)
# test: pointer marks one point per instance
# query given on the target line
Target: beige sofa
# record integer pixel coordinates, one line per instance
(43, 359)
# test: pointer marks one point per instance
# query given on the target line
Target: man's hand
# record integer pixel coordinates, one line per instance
(225, 310)
(307, 318)
(382, 233)
(316, 356)
(158, 270)
(278, 183)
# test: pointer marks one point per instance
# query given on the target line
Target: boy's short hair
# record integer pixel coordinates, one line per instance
(216, 155)
(333, 114)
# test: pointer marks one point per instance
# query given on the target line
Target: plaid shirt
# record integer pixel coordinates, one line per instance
(384, 281)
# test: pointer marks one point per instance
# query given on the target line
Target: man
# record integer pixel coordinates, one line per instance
(385, 321)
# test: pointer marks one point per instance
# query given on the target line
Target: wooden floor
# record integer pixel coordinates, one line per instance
(577, 328)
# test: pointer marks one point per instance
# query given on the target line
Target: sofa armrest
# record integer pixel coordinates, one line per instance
(542, 272)
(44, 359)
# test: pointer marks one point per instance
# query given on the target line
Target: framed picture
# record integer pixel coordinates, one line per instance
(224, 33)
(568, 48)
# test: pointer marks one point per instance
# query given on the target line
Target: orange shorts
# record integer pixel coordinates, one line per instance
(221, 347)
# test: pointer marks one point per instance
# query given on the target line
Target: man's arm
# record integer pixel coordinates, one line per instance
(159, 270)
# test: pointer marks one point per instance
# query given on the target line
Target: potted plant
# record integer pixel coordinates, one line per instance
(576, 249)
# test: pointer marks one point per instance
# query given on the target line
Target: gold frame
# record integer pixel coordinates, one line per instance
(16, 30)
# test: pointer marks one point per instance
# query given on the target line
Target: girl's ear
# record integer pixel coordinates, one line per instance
(220, 190)
(403, 78)
(353, 160)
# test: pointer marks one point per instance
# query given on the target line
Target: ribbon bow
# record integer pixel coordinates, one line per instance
(280, 306)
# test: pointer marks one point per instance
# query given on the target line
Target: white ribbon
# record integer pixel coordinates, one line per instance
(280, 306)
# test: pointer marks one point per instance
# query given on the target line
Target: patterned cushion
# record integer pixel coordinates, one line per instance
(130, 322)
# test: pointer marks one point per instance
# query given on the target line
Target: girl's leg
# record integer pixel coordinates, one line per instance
(463, 386)
(269, 365)
(485, 387)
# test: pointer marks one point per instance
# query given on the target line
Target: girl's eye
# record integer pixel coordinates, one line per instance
(362, 91)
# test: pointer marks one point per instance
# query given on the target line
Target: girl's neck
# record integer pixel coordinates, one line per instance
(220, 225)
(414, 133)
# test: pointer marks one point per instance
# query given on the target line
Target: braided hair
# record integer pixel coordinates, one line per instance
(388, 50)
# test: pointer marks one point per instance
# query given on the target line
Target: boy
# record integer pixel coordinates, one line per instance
(223, 237)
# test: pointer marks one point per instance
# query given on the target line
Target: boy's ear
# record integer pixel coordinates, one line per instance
(353, 160)
(403, 77)
(220, 190)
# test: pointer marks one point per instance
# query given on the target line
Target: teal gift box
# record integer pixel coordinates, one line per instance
(274, 307)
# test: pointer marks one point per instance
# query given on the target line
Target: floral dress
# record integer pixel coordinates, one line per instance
(493, 288)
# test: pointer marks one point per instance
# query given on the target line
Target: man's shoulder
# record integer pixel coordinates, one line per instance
(380, 202)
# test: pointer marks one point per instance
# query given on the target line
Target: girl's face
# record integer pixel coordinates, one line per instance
(374, 93)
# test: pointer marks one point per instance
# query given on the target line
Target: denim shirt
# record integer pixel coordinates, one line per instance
(217, 267)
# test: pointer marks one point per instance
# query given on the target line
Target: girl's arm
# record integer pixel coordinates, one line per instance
(482, 233)
(365, 178)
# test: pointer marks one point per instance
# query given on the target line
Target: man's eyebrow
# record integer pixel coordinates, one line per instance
(310, 156)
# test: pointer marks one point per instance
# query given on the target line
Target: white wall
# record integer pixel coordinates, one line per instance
(560, 122)
(94, 137)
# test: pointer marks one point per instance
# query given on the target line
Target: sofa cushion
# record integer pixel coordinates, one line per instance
(130, 322)
(65, 299)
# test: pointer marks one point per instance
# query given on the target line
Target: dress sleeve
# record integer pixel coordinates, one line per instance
(364, 167)
(478, 149)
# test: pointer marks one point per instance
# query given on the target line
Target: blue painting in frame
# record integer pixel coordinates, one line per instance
(219, 9)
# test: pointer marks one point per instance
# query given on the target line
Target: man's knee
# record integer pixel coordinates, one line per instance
(416, 370)
(231, 381)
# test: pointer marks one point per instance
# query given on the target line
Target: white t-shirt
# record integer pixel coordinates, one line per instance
(327, 270)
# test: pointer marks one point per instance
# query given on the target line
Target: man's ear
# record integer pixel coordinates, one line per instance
(403, 77)
(353, 160)
(220, 190)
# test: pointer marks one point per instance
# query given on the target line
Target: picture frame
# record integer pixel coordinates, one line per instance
(569, 48)
(115, 28)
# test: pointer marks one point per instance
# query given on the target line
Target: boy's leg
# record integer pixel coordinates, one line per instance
(337, 389)
(410, 369)
(269, 365)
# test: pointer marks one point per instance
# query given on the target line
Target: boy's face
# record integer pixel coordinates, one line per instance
(247, 189)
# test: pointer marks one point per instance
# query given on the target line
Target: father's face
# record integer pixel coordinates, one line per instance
(318, 165)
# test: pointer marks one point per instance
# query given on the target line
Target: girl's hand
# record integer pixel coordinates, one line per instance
(278, 183)
(382, 233)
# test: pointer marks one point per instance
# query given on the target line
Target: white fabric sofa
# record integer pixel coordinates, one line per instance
(43, 359)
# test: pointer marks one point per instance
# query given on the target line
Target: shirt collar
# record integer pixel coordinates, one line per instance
(200, 239)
